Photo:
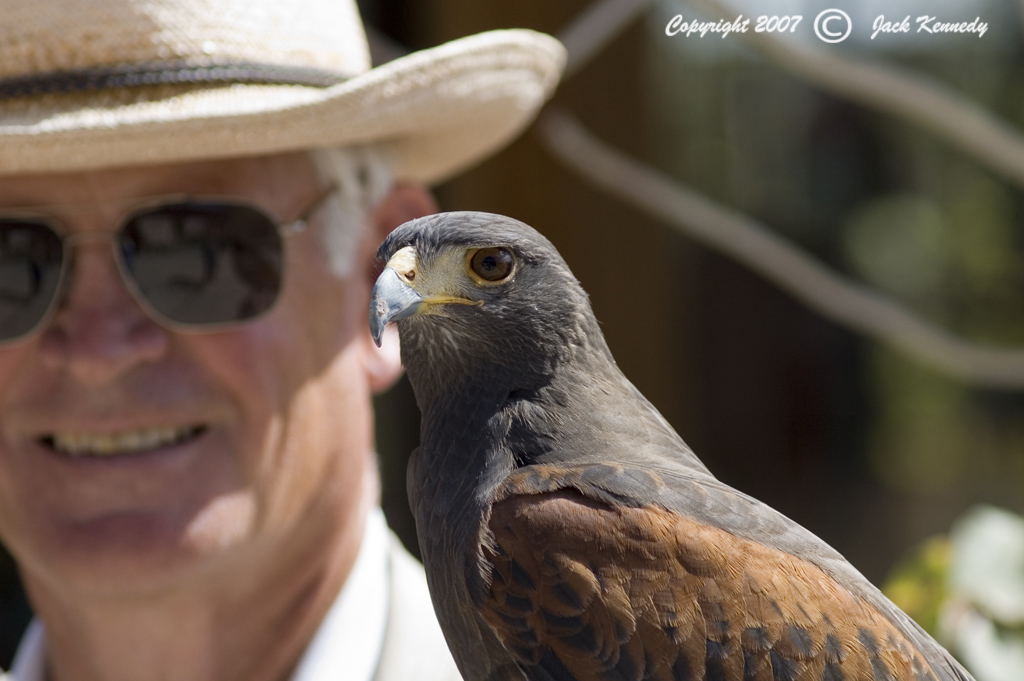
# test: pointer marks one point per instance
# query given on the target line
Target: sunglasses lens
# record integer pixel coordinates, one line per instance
(204, 263)
(30, 266)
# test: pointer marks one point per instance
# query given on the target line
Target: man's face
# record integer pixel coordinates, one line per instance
(271, 420)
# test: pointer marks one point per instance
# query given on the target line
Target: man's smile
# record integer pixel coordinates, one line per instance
(119, 443)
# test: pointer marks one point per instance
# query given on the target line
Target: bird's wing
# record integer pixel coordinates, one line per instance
(585, 590)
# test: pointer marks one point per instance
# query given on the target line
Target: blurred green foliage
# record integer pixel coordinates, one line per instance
(919, 583)
(967, 590)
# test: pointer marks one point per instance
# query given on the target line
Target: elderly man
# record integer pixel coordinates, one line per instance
(191, 192)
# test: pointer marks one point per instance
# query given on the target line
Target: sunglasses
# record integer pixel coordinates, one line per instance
(191, 263)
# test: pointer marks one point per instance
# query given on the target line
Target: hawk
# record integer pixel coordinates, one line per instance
(568, 532)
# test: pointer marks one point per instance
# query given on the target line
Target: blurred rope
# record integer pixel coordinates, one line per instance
(595, 27)
(756, 247)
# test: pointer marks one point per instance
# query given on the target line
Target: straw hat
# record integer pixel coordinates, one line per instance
(87, 84)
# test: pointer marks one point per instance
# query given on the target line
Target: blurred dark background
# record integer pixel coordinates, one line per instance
(870, 450)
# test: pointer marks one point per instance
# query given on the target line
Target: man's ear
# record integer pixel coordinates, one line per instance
(405, 202)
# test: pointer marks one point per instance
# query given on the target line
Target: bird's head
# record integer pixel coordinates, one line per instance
(478, 285)
(507, 362)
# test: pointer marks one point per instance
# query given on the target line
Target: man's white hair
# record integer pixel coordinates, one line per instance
(362, 175)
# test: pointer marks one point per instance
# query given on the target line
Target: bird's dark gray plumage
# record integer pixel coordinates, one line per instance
(566, 529)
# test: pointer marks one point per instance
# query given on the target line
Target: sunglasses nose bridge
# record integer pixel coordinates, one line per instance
(81, 238)
(72, 240)
(69, 241)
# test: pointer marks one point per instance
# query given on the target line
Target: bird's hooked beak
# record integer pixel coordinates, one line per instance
(405, 288)
(393, 296)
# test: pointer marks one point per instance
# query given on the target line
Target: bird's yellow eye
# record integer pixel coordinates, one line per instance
(492, 264)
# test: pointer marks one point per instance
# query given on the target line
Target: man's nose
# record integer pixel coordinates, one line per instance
(99, 331)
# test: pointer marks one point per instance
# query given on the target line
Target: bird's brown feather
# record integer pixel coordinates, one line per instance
(598, 591)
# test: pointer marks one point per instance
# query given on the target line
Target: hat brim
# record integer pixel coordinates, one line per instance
(439, 110)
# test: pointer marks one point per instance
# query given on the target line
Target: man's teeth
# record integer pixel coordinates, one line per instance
(110, 444)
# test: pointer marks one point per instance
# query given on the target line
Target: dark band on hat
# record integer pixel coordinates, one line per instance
(166, 73)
